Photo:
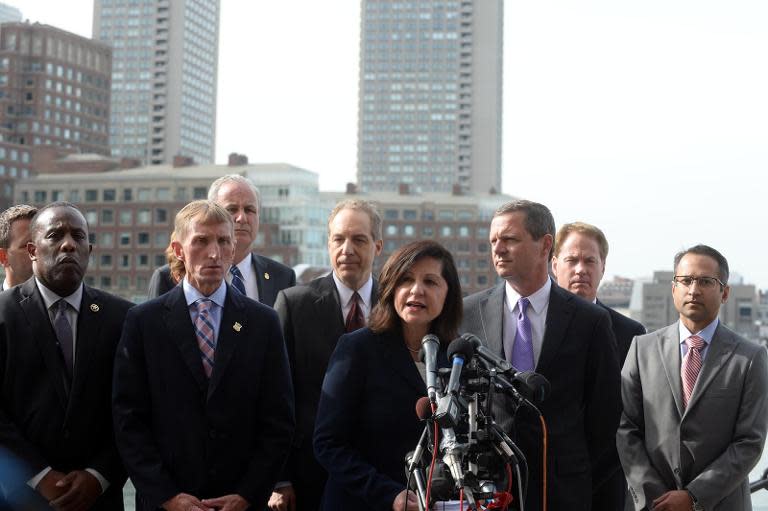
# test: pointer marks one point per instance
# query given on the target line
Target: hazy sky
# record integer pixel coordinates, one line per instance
(648, 119)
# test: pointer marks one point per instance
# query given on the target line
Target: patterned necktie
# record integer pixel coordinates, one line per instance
(691, 366)
(63, 330)
(522, 349)
(355, 318)
(238, 281)
(204, 331)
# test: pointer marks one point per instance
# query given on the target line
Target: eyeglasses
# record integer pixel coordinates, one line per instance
(703, 282)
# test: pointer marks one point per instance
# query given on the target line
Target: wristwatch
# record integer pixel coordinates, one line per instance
(696, 506)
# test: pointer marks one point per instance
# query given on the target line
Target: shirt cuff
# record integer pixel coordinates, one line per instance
(32, 483)
(282, 484)
(103, 482)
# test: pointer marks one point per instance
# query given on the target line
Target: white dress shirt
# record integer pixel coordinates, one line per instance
(536, 312)
(346, 294)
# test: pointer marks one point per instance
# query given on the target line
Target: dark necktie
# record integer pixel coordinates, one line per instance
(522, 350)
(63, 330)
(691, 366)
(355, 319)
(204, 332)
(238, 281)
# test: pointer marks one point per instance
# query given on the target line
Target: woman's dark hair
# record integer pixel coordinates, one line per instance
(384, 317)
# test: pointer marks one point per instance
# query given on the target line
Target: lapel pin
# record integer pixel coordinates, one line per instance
(237, 327)
(94, 307)
(266, 275)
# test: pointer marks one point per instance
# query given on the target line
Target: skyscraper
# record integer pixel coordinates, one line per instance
(9, 13)
(430, 95)
(54, 94)
(165, 60)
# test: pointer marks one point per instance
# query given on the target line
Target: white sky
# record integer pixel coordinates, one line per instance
(648, 119)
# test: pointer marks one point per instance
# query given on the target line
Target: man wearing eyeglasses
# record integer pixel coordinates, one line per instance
(695, 400)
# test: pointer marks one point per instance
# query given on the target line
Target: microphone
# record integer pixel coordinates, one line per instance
(429, 346)
(501, 365)
(423, 412)
(459, 352)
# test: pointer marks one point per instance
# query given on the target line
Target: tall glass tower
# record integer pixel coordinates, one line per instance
(165, 61)
(430, 95)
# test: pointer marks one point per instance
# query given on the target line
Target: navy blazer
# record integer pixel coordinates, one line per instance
(366, 421)
(45, 421)
(578, 357)
(179, 432)
(271, 277)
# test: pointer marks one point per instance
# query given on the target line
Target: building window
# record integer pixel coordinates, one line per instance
(126, 217)
(92, 217)
(391, 214)
(408, 230)
(107, 216)
(446, 231)
(199, 192)
(41, 196)
(159, 260)
(109, 195)
(161, 240)
(161, 215)
(91, 195)
(106, 281)
(125, 261)
(74, 196)
(128, 194)
(125, 239)
(142, 260)
(107, 240)
(391, 230)
(106, 261)
(144, 194)
(463, 231)
(123, 281)
(143, 217)
(142, 238)
(57, 195)
(410, 214)
(482, 280)
(428, 231)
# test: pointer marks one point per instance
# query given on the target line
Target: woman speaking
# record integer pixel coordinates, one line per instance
(366, 421)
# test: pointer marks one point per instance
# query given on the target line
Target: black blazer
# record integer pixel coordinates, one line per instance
(366, 422)
(178, 432)
(578, 357)
(624, 329)
(312, 322)
(271, 277)
(43, 420)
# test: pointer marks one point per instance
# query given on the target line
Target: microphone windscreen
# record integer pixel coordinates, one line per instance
(423, 408)
(462, 347)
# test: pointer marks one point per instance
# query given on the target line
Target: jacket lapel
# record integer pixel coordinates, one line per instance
(395, 355)
(263, 280)
(720, 350)
(233, 328)
(328, 301)
(42, 331)
(183, 334)
(491, 317)
(559, 313)
(669, 352)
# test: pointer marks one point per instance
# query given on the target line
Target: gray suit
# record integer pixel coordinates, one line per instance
(709, 447)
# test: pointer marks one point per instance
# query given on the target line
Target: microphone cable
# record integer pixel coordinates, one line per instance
(432, 463)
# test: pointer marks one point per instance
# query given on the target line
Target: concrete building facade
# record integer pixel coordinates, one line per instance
(164, 77)
(54, 95)
(430, 95)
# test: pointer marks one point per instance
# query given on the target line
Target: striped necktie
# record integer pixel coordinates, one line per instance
(204, 331)
(238, 281)
(691, 366)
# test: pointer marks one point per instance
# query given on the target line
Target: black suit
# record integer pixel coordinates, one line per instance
(366, 421)
(44, 421)
(271, 277)
(179, 432)
(312, 322)
(578, 357)
(610, 485)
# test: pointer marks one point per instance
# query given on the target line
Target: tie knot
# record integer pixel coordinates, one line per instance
(203, 305)
(61, 306)
(522, 304)
(356, 298)
(695, 342)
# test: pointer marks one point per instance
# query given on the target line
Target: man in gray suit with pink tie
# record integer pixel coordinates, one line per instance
(695, 400)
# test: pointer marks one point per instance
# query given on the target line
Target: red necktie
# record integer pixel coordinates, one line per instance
(691, 366)
(355, 318)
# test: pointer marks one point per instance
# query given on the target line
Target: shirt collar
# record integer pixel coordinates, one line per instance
(245, 266)
(538, 299)
(49, 297)
(706, 333)
(192, 294)
(345, 293)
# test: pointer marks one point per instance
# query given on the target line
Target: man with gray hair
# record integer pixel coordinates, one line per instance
(538, 326)
(255, 276)
(14, 236)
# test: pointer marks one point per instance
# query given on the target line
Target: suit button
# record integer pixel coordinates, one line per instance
(677, 470)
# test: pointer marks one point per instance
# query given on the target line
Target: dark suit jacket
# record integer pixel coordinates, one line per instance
(578, 357)
(609, 483)
(43, 420)
(312, 322)
(271, 277)
(366, 422)
(177, 431)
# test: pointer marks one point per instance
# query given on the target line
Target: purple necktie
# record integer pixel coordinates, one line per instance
(522, 349)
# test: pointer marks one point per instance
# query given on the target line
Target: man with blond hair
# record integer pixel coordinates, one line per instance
(313, 318)
(202, 395)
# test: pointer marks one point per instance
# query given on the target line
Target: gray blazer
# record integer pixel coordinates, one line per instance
(708, 448)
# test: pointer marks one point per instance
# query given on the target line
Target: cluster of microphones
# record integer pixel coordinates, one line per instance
(474, 461)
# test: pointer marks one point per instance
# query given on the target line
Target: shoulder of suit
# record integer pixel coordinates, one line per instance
(625, 321)
(114, 302)
(475, 298)
(272, 265)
